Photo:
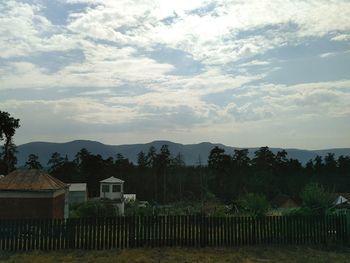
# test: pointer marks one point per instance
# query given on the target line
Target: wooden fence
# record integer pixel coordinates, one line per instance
(159, 231)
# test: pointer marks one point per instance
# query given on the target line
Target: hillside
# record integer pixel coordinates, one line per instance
(191, 152)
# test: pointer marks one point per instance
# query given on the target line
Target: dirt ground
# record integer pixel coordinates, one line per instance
(283, 254)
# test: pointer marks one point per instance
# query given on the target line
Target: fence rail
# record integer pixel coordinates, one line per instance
(159, 231)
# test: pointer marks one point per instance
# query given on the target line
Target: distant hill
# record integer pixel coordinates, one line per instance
(192, 153)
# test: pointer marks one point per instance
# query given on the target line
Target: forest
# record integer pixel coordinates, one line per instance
(162, 177)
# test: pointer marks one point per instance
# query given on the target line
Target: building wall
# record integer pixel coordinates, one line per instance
(77, 197)
(58, 206)
(110, 194)
(32, 207)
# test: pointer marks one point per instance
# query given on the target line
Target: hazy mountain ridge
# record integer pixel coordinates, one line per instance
(192, 153)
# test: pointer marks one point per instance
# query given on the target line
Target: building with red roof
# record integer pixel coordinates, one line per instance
(32, 194)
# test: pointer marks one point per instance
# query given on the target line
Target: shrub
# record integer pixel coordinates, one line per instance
(94, 209)
(134, 209)
(315, 199)
(254, 204)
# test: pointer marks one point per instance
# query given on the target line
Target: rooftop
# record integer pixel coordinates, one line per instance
(77, 187)
(345, 195)
(112, 179)
(30, 180)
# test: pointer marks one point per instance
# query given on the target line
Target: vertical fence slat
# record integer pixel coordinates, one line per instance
(113, 232)
(28, 234)
(117, 232)
(109, 230)
(168, 234)
(127, 231)
(145, 231)
(230, 231)
(121, 231)
(4, 234)
(149, 229)
(235, 231)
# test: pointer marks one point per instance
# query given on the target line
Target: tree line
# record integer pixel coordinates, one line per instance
(162, 177)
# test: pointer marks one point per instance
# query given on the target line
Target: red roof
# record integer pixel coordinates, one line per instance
(30, 180)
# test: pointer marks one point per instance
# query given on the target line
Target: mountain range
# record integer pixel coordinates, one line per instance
(192, 153)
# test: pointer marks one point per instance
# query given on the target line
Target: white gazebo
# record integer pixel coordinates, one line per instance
(113, 189)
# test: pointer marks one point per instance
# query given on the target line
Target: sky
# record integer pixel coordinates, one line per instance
(243, 73)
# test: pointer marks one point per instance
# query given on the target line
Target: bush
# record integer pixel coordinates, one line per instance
(94, 209)
(133, 209)
(298, 211)
(254, 204)
(315, 199)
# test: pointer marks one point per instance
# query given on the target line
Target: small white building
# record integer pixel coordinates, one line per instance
(77, 193)
(113, 189)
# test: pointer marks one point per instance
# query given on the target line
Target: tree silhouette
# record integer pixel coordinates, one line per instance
(8, 126)
(265, 159)
(56, 161)
(163, 162)
(330, 164)
(217, 158)
(11, 162)
(318, 165)
(33, 162)
(220, 163)
(151, 157)
(344, 165)
(141, 160)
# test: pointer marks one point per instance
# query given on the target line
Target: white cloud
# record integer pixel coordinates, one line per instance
(24, 31)
(255, 63)
(211, 38)
(104, 66)
(323, 99)
(252, 110)
(96, 92)
(328, 54)
(341, 37)
(113, 37)
(80, 110)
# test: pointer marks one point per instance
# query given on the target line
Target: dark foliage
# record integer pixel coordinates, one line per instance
(160, 177)
(8, 126)
(33, 162)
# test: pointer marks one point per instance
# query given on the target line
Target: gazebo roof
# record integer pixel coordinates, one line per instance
(111, 180)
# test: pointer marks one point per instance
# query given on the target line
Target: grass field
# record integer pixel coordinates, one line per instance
(283, 254)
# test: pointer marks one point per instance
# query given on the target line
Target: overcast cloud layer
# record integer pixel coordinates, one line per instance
(243, 73)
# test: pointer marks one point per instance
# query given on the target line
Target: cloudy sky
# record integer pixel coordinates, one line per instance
(243, 73)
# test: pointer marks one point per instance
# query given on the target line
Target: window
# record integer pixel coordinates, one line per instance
(116, 188)
(105, 188)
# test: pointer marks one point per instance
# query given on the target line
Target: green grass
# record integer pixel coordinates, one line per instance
(284, 254)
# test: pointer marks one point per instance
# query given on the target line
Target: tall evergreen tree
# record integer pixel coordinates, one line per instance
(8, 126)
(163, 162)
(56, 161)
(141, 160)
(33, 162)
